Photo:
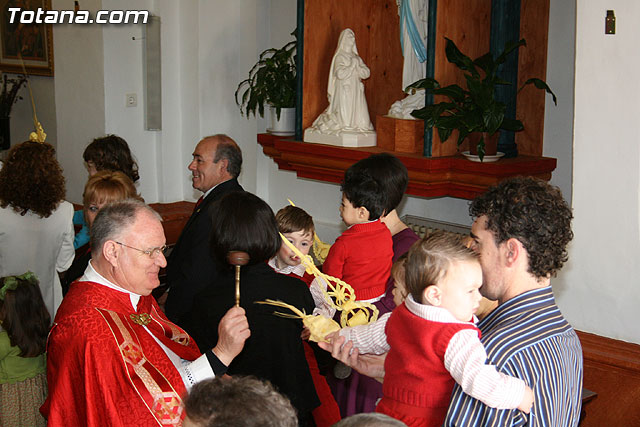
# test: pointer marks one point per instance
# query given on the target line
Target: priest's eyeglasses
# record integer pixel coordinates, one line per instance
(151, 253)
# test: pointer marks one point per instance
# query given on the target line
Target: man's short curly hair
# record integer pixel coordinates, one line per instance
(533, 212)
(31, 179)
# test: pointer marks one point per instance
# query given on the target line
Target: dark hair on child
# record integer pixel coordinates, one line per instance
(24, 315)
(363, 190)
(244, 222)
(292, 218)
(111, 152)
(390, 172)
(429, 261)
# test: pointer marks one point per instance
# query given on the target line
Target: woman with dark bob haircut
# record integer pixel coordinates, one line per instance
(110, 152)
(36, 233)
(274, 351)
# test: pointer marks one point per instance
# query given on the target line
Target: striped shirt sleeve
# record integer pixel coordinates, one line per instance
(370, 338)
(465, 360)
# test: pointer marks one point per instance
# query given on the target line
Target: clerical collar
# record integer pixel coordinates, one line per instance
(91, 275)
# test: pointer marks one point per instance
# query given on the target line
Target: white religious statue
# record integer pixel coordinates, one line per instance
(345, 121)
(413, 38)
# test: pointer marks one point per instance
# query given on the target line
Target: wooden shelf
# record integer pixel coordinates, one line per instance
(452, 176)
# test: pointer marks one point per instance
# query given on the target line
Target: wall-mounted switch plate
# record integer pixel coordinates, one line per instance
(131, 100)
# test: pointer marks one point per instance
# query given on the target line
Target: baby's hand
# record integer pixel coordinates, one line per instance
(527, 400)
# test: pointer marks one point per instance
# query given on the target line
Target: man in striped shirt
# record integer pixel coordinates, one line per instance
(521, 229)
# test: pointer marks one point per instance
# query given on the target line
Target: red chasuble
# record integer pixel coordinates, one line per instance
(105, 369)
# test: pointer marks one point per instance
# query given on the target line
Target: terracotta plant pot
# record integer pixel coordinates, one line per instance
(490, 142)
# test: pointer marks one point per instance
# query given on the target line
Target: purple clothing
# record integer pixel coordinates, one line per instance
(359, 393)
(402, 242)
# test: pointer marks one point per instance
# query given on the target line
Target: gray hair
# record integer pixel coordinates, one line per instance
(239, 401)
(113, 220)
(228, 149)
(373, 419)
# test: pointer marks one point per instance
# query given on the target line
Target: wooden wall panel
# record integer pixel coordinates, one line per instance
(467, 23)
(532, 62)
(375, 24)
(612, 370)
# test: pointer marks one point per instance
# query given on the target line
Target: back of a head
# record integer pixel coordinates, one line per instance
(363, 190)
(238, 402)
(23, 313)
(430, 258)
(244, 222)
(114, 220)
(109, 186)
(535, 213)
(390, 172)
(292, 218)
(31, 179)
(369, 420)
(111, 152)
(228, 149)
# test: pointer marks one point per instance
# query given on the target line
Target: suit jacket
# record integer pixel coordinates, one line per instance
(190, 267)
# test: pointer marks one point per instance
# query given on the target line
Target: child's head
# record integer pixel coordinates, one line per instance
(399, 288)
(237, 401)
(389, 171)
(23, 313)
(442, 272)
(297, 226)
(363, 198)
(110, 152)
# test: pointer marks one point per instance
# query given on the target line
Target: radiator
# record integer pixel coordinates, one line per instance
(425, 226)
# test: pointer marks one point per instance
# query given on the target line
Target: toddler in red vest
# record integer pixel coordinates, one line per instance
(432, 339)
(297, 226)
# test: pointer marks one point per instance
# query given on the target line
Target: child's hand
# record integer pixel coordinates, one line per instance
(331, 338)
(527, 400)
(306, 333)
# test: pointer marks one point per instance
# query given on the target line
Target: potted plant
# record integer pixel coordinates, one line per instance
(272, 81)
(474, 110)
(8, 97)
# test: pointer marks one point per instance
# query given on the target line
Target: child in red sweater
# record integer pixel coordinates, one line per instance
(362, 255)
(297, 226)
(432, 340)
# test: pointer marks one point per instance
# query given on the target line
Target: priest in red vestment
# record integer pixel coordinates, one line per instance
(113, 358)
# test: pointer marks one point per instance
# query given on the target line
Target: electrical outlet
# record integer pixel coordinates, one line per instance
(131, 100)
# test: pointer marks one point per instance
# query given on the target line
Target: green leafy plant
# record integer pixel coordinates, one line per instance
(272, 80)
(9, 93)
(474, 108)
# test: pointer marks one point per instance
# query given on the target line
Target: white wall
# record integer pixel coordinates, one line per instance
(603, 275)
(22, 112)
(79, 93)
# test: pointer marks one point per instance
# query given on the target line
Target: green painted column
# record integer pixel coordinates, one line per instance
(505, 27)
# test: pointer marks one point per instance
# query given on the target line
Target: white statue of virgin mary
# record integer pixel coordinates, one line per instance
(346, 120)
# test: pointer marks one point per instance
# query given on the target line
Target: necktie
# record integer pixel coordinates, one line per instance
(198, 203)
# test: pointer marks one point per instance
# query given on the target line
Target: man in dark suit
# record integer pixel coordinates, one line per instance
(216, 164)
